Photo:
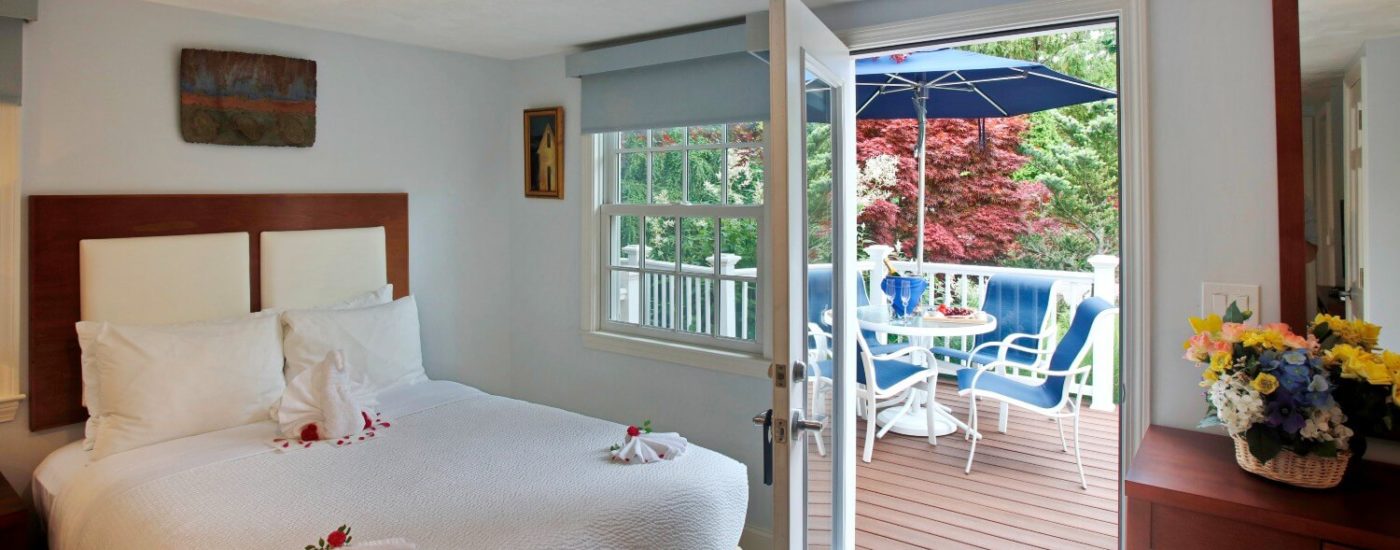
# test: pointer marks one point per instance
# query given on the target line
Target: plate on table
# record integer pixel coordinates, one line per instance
(949, 314)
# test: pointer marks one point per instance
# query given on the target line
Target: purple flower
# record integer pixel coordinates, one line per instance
(1283, 412)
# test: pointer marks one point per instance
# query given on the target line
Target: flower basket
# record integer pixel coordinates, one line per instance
(1310, 472)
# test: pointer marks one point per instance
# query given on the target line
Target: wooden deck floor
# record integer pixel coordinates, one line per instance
(1023, 491)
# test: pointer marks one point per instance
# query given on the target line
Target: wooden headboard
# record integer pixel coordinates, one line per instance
(58, 222)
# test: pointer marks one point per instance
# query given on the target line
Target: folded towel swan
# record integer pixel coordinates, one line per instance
(326, 403)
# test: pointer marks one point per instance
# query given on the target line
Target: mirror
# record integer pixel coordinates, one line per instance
(1338, 94)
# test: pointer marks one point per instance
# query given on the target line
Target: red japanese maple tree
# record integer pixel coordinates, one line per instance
(976, 210)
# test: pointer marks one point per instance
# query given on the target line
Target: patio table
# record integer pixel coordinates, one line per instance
(920, 332)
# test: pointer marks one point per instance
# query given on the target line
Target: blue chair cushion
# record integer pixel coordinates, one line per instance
(888, 372)
(1042, 395)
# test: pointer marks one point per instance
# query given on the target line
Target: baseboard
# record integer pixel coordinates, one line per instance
(756, 539)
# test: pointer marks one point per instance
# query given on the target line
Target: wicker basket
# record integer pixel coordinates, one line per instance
(1312, 472)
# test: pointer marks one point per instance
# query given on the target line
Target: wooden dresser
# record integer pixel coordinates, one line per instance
(1185, 491)
(14, 519)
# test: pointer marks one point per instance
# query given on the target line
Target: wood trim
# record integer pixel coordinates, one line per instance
(58, 222)
(1288, 109)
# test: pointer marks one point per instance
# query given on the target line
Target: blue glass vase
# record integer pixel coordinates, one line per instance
(905, 294)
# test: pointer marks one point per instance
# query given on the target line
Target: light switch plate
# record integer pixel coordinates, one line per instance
(1216, 297)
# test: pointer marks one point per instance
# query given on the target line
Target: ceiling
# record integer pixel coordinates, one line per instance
(505, 29)
(1331, 32)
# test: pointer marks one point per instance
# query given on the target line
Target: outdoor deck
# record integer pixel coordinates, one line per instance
(1023, 491)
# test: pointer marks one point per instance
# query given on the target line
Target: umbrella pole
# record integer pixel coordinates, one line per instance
(920, 105)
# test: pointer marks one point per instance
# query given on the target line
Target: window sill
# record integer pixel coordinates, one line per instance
(9, 407)
(681, 354)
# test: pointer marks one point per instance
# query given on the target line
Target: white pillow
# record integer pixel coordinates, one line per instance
(381, 341)
(162, 382)
(381, 295)
(87, 331)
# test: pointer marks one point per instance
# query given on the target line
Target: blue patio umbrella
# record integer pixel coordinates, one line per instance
(951, 83)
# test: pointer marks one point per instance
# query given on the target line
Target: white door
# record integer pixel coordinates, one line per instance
(1354, 219)
(811, 140)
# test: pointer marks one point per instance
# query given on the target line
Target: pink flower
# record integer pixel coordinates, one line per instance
(1232, 332)
(1200, 346)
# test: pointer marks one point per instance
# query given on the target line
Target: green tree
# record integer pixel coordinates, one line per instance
(1073, 152)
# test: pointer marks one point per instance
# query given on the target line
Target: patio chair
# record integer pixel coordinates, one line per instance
(1022, 306)
(1051, 396)
(892, 378)
(819, 291)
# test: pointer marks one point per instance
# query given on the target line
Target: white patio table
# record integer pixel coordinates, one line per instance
(920, 332)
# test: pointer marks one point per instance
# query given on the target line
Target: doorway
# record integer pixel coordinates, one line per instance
(1036, 194)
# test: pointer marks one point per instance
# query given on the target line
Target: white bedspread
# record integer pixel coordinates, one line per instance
(459, 468)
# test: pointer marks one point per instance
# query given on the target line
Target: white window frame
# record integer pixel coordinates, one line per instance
(600, 167)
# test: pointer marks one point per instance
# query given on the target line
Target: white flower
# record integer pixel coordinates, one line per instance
(1326, 425)
(1236, 404)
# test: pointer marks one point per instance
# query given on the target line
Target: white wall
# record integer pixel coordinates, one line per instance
(550, 365)
(1380, 83)
(1214, 187)
(100, 115)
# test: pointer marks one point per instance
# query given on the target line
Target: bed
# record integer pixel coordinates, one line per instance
(459, 468)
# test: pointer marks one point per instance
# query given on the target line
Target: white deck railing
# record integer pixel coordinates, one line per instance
(952, 284)
(961, 285)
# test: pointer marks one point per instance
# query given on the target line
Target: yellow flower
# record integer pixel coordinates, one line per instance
(1265, 383)
(1356, 362)
(1364, 334)
(1392, 363)
(1221, 360)
(1357, 332)
(1265, 338)
(1211, 324)
(1209, 376)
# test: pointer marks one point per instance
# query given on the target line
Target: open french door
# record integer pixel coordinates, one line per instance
(811, 197)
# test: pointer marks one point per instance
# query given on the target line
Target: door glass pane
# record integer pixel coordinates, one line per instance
(817, 177)
(739, 246)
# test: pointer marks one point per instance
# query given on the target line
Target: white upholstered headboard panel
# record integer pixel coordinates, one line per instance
(161, 280)
(304, 269)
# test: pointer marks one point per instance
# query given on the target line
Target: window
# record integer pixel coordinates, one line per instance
(680, 220)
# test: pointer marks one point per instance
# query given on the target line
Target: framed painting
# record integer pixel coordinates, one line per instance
(544, 152)
(235, 98)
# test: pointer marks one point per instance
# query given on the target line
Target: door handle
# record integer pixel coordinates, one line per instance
(765, 419)
(801, 424)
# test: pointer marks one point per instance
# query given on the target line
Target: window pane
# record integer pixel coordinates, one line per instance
(635, 139)
(746, 132)
(668, 137)
(659, 307)
(633, 180)
(661, 244)
(666, 171)
(706, 175)
(627, 235)
(739, 246)
(746, 175)
(697, 305)
(697, 244)
(738, 310)
(624, 296)
(706, 135)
